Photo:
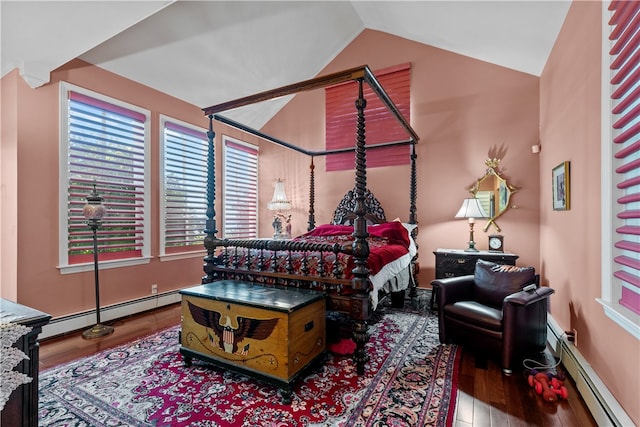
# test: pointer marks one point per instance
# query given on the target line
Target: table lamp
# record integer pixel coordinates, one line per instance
(471, 209)
(278, 203)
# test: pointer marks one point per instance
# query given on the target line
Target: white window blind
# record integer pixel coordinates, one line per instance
(624, 53)
(240, 197)
(106, 145)
(184, 190)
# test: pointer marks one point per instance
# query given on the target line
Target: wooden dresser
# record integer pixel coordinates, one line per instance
(457, 262)
(22, 407)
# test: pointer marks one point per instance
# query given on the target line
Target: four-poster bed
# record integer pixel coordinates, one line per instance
(343, 266)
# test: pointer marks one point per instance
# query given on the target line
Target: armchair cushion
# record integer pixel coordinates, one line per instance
(473, 313)
(494, 282)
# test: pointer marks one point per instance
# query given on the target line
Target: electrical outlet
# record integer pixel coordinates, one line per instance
(575, 337)
(154, 289)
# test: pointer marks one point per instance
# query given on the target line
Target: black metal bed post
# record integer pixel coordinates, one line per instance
(413, 187)
(210, 227)
(413, 293)
(360, 281)
(312, 197)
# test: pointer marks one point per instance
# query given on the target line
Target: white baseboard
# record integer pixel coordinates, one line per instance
(75, 322)
(604, 407)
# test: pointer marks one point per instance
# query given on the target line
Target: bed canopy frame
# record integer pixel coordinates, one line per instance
(358, 306)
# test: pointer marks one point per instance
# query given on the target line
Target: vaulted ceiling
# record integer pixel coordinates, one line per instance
(207, 52)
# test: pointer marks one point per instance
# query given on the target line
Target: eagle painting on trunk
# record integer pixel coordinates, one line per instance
(228, 336)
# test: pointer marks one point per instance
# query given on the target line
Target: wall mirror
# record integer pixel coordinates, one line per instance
(494, 193)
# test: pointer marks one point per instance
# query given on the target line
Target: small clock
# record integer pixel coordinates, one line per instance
(496, 243)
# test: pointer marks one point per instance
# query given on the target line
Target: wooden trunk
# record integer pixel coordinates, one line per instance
(270, 333)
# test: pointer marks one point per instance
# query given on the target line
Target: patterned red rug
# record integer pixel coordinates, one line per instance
(410, 380)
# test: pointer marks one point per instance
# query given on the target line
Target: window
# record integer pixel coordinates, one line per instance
(380, 126)
(240, 194)
(103, 141)
(621, 164)
(183, 201)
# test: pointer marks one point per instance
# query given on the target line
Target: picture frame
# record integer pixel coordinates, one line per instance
(561, 187)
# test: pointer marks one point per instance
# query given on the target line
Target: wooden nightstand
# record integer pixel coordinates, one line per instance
(457, 262)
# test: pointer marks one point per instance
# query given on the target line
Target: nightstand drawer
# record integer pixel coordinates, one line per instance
(453, 266)
(453, 263)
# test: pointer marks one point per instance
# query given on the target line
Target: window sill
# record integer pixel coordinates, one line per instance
(182, 255)
(104, 265)
(624, 317)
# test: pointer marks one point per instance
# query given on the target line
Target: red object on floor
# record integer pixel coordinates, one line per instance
(549, 386)
(344, 346)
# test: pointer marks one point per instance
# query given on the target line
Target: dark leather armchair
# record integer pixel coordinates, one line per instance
(491, 313)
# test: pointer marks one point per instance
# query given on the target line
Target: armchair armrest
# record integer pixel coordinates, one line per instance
(448, 291)
(524, 316)
(525, 298)
(453, 289)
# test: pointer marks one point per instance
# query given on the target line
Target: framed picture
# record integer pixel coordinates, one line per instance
(561, 188)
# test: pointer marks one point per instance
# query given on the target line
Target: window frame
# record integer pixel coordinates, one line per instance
(190, 252)
(226, 138)
(63, 247)
(610, 286)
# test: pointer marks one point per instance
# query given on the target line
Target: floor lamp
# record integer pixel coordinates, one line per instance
(93, 212)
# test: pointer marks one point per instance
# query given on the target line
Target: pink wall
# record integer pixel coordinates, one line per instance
(460, 115)
(39, 283)
(8, 187)
(30, 173)
(461, 108)
(570, 254)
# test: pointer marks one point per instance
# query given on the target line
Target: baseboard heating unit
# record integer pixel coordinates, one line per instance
(75, 322)
(604, 408)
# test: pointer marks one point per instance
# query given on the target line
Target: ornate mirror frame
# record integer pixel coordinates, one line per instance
(494, 192)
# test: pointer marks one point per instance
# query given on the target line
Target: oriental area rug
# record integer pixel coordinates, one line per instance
(410, 380)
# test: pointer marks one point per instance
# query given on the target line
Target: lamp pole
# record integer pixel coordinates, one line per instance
(93, 211)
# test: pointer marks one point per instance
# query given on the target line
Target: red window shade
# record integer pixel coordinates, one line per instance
(380, 126)
(625, 97)
(106, 106)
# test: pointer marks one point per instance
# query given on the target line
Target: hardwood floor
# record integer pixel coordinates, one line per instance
(58, 350)
(485, 396)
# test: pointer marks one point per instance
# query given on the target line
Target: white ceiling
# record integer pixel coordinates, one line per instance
(207, 52)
